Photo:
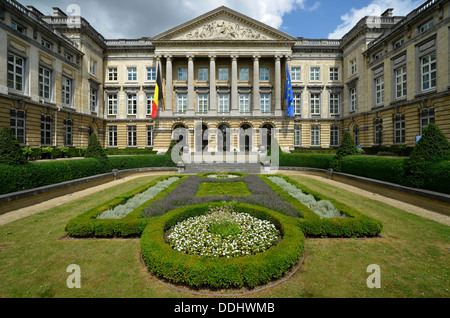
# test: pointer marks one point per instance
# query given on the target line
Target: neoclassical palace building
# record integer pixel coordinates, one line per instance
(384, 81)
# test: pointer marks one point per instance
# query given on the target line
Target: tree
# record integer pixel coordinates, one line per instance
(433, 147)
(10, 150)
(348, 147)
(95, 150)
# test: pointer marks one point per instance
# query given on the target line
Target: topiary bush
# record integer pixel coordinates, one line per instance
(95, 149)
(348, 147)
(433, 147)
(10, 151)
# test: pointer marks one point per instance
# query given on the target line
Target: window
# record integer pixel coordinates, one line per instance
(334, 74)
(224, 103)
(315, 74)
(399, 129)
(182, 74)
(18, 27)
(244, 103)
(132, 104)
(149, 103)
(112, 74)
(149, 136)
(297, 104)
(203, 103)
(379, 90)
(315, 104)
(377, 56)
(400, 82)
(426, 118)
(297, 136)
(428, 68)
(244, 74)
(112, 136)
(378, 125)
(68, 57)
(93, 67)
(45, 78)
(203, 74)
(296, 74)
(334, 136)
(223, 74)
(68, 132)
(353, 99)
(181, 103)
(46, 44)
(132, 136)
(151, 74)
(46, 130)
(265, 103)
(356, 134)
(17, 124)
(398, 43)
(16, 72)
(112, 104)
(335, 101)
(353, 68)
(426, 26)
(264, 74)
(67, 91)
(315, 135)
(132, 74)
(93, 98)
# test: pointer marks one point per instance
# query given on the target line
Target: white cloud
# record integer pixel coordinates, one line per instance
(376, 8)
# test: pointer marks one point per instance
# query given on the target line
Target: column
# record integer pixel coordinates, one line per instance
(169, 84)
(234, 83)
(277, 82)
(256, 96)
(212, 83)
(191, 95)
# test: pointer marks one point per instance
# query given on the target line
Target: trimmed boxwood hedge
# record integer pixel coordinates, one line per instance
(355, 224)
(195, 271)
(87, 225)
(320, 161)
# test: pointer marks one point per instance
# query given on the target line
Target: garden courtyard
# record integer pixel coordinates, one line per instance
(310, 255)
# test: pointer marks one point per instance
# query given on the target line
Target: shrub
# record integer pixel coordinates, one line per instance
(437, 177)
(94, 149)
(348, 147)
(134, 162)
(10, 150)
(432, 147)
(196, 271)
(320, 161)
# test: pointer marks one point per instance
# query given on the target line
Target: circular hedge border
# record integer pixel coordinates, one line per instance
(253, 270)
(206, 174)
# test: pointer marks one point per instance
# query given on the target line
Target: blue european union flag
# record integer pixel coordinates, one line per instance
(289, 96)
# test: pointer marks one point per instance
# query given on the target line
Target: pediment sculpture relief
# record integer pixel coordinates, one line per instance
(222, 29)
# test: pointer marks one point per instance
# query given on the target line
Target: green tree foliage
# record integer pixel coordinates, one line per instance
(10, 150)
(348, 147)
(433, 147)
(94, 149)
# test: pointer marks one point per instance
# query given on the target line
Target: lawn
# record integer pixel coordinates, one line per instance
(413, 254)
(228, 189)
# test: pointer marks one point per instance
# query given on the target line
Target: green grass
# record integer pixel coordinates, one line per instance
(227, 189)
(413, 255)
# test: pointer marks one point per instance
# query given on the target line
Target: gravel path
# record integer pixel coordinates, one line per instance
(43, 206)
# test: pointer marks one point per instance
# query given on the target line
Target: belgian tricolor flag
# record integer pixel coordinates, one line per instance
(158, 93)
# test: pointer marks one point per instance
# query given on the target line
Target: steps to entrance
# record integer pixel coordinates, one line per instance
(214, 167)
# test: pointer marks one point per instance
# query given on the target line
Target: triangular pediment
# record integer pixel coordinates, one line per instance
(223, 24)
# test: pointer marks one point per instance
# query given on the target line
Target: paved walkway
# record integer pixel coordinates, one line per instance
(43, 206)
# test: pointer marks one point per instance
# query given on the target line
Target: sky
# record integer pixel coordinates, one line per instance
(312, 19)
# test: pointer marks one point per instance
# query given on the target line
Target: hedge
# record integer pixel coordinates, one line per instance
(320, 161)
(87, 225)
(379, 168)
(251, 271)
(438, 177)
(38, 174)
(355, 224)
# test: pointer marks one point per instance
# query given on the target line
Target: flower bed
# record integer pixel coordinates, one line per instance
(322, 208)
(251, 270)
(222, 232)
(132, 225)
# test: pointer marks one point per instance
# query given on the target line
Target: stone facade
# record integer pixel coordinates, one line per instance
(383, 81)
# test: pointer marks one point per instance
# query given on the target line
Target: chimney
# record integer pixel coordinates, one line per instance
(57, 12)
(388, 13)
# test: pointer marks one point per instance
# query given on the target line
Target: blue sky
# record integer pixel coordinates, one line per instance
(301, 18)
